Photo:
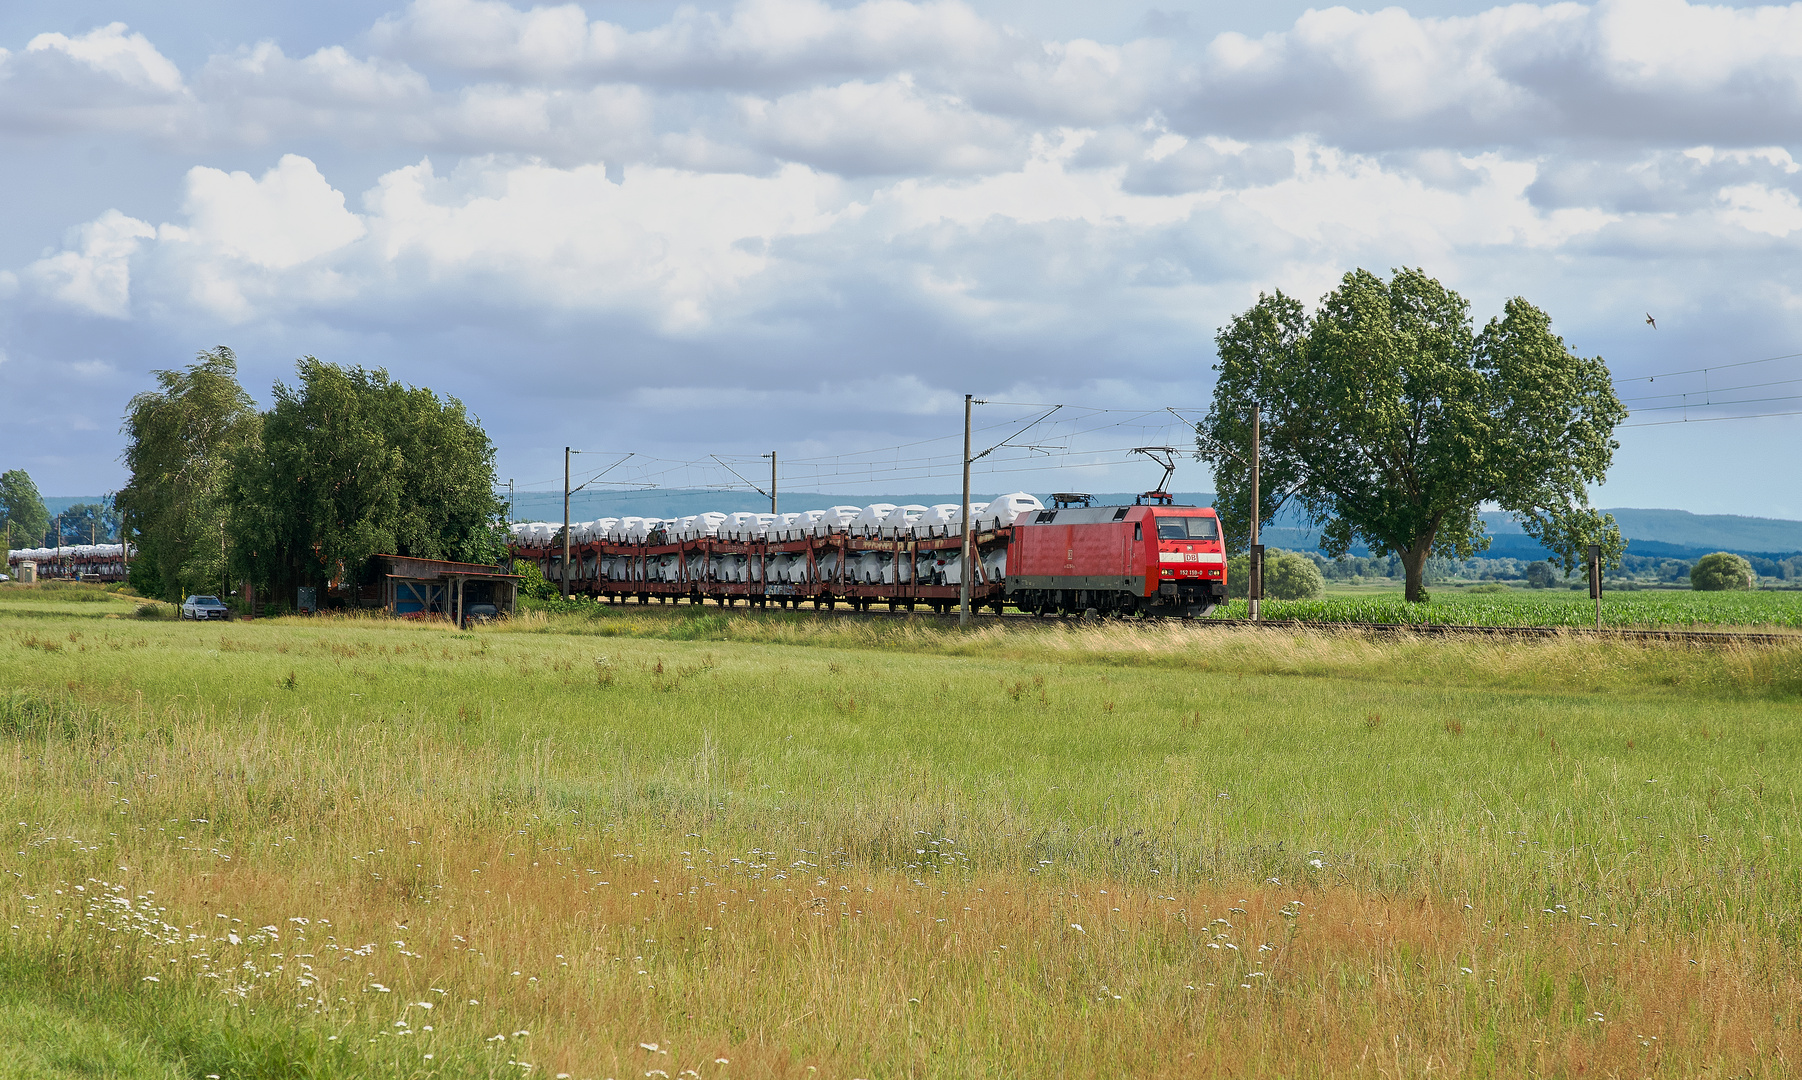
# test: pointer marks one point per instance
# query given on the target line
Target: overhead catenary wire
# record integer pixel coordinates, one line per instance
(1711, 419)
(1718, 404)
(852, 467)
(1059, 433)
(1712, 390)
(904, 464)
(1710, 367)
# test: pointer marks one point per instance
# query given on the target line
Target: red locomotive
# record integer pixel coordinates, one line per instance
(1155, 559)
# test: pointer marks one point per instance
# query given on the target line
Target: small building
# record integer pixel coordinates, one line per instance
(435, 588)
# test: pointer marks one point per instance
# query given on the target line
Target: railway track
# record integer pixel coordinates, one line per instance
(1440, 630)
(1691, 637)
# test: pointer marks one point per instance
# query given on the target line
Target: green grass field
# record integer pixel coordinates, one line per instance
(679, 841)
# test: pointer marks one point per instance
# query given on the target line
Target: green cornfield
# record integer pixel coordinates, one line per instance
(1646, 609)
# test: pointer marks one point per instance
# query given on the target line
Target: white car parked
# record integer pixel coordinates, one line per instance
(204, 607)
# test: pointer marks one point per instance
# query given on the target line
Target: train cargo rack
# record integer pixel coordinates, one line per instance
(695, 581)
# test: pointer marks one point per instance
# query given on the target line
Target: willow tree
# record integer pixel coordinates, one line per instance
(353, 464)
(181, 438)
(1390, 421)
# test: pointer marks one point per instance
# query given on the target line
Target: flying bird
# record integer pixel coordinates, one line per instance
(1651, 322)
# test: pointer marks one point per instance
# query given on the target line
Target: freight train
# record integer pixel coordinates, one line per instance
(1148, 558)
(74, 562)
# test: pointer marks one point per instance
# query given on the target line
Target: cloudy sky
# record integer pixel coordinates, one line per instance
(726, 228)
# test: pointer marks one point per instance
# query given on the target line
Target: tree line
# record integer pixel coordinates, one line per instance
(344, 465)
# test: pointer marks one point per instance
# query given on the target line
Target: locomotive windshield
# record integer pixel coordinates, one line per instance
(1187, 528)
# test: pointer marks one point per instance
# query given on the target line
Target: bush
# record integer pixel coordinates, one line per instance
(1539, 575)
(1287, 576)
(532, 585)
(1720, 572)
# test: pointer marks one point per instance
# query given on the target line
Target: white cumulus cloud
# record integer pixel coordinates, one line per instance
(286, 217)
(111, 53)
(94, 274)
(107, 79)
(859, 128)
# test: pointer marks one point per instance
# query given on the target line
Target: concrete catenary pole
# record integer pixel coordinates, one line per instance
(563, 573)
(963, 589)
(1595, 580)
(1255, 584)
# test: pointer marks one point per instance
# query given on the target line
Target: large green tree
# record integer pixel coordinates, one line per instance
(1390, 421)
(353, 464)
(180, 438)
(26, 519)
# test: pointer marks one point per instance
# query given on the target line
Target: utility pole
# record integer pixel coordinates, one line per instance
(772, 456)
(564, 573)
(963, 577)
(1595, 580)
(1254, 588)
(512, 510)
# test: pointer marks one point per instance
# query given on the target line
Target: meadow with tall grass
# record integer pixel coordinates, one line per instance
(697, 843)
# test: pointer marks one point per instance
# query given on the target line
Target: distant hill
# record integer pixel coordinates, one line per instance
(1713, 532)
(1676, 534)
